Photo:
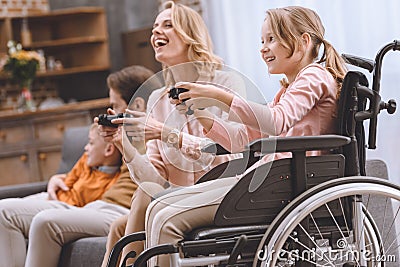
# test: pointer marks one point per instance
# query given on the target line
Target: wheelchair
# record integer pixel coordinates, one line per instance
(304, 210)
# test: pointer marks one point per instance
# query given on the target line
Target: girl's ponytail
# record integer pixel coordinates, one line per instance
(334, 63)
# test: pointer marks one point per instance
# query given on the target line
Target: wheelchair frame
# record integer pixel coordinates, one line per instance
(312, 180)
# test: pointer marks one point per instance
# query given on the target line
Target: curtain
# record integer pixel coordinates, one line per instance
(358, 27)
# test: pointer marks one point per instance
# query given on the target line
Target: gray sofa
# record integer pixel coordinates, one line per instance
(88, 252)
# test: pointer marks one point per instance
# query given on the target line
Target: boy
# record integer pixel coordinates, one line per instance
(93, 174)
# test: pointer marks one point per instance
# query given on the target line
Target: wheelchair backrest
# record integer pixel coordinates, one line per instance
(350, 102)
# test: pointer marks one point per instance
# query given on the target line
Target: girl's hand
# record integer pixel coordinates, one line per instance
(202, 96)
(140, 126)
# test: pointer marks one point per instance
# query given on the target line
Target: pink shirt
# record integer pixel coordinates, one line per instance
(307, 107)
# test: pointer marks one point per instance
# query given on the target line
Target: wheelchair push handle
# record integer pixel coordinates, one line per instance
(376, 104)
(395, 46)
(390, 106)
(361, 62)
(371, 65)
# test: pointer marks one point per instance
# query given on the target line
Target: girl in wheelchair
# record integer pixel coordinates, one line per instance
(305, 104)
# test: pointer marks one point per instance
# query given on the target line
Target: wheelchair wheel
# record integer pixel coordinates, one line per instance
(349, 221)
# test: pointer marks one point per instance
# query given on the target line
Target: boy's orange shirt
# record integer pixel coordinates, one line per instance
(86, 184)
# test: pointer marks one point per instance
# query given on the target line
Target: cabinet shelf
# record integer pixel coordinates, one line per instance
(76, 41)
(63, 13)
(70, 71)
(64, 72)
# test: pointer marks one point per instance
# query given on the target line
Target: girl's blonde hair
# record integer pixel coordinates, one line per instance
(190, 26)
(289, 23)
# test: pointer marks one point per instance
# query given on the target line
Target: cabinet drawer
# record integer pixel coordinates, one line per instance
(15, 134)
(53, 131)
(15, 169)
(49, 162)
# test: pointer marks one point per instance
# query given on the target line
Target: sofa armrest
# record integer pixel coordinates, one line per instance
(22, 190)
(376, 168)
(88, 251)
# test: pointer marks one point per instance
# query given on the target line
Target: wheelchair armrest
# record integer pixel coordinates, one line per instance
(141, 260)
(215, 148)
(118, 247)
(297, 143)
(22, 190)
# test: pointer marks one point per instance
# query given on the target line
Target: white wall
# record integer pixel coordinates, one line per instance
(359, 27)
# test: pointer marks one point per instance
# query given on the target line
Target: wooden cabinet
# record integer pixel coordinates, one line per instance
(30, 143)
(138, 50)
(77, 38)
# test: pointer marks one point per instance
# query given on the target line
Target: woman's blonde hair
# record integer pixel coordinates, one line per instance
(190, 26)
(289, 23)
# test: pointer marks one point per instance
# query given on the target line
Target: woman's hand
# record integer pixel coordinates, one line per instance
(202, 96)
(129, 150)
(140, 126)
(109, 134)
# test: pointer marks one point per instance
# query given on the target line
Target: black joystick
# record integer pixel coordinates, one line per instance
(174, 93)
(105, 119)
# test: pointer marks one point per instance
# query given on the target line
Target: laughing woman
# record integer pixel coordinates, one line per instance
(182, 44)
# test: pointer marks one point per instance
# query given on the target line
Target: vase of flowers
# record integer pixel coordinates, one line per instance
(22, 66)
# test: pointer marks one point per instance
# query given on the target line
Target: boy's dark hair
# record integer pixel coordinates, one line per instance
(128, 80)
